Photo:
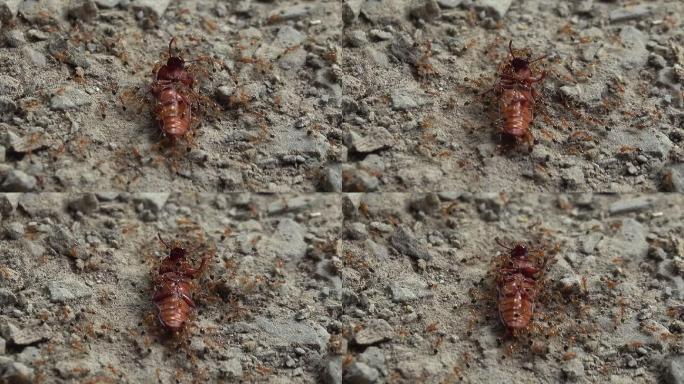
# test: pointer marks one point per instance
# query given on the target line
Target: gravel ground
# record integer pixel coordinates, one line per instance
(308, 94)
(413, 69)
(419, 305)
(75, 288)
(270, 89)
(391, 279)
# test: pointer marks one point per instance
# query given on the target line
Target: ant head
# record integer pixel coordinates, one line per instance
(519, 251)
(177, 253)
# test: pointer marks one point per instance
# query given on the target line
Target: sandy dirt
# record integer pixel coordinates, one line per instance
(346, 168)
(77, 283)
(266, 78)
(420, 299)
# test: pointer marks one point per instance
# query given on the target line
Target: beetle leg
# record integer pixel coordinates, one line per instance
(188, 300)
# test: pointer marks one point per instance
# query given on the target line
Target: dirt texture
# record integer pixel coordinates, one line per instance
(347, 177)
(609, 117)
(76, 288)
(76, 114)
(420, 302)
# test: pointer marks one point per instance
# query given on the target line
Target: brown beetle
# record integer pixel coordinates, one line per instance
(174, 287)
(172, 91)
(517, 96)
(517, 285)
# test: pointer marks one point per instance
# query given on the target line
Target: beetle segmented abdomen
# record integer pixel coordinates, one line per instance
(174, 312)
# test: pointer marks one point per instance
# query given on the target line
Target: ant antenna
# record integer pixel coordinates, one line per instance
(162, 241)
(510, 48)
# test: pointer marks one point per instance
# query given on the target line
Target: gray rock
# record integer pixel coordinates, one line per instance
(405, 243)
(427, 203)
(41, 12)
(360, 373)
(584, 7)
(34, 57)
(243, 7)
(289, 334)
(287, 241)
(14, 38)
(382, 12)
(153, 8)
(86, 204)
(673, 178)
(288, 37)
(107, 3)
(151, 201)
(350, 11)
(449, 4)
(409, 290)
(373, 332)
(231, 368)
(649, 141)
(377, 139)
(16, 373)
(629, 242)
(231, 179)
(403, 99)
(332, 374)
(358, 180)
(63, 291)
(7, 298)
(356, 38)
(573, 178)
(626, 14)
(402, 47)
(378, 34)
(14, 230)
(73, 369)
(293, 12)
(63, 242)
(8, 9)
(331, 178)
(8, 203)
(674, 373)
(9, 86)
(3, 346)
(223, 93)
(583, 93)
(40, 205)
(84, 10)
(70, 98)
(667, 77)
(22, 337)
(657, 61)
(496, 8)
(636, 54)
(18, 181)
(427, 10)
(573, 370)
(374, 357)
(37, 35)
(631, 205)
(357, 231)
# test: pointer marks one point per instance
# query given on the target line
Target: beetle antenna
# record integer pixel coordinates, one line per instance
(501, 243)
(170, 43)
(162, 240)
(539, 58)
(510, 48)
